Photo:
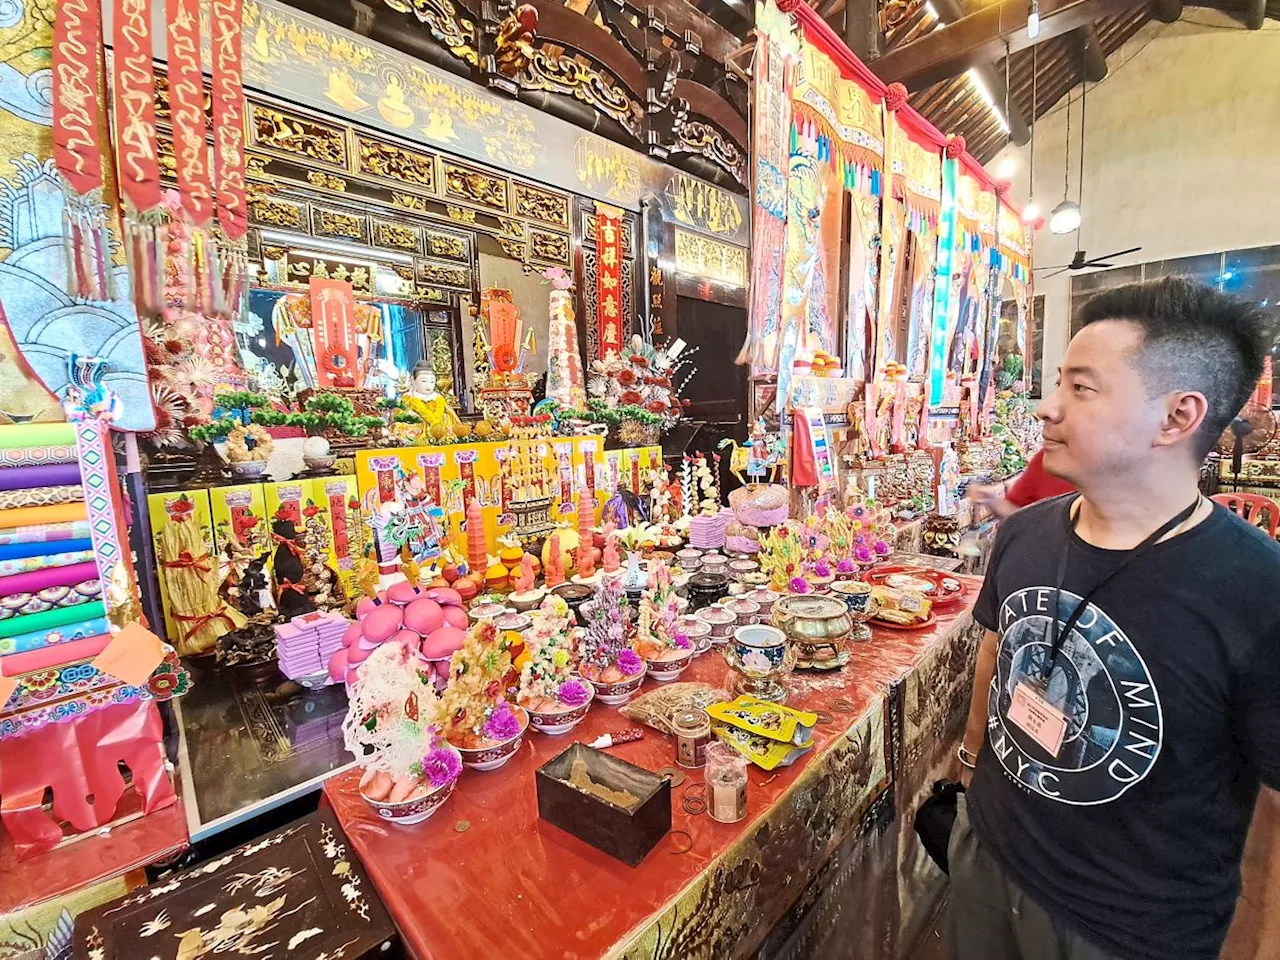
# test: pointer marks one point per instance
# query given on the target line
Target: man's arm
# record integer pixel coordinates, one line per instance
(976, 728)
(1255, 931)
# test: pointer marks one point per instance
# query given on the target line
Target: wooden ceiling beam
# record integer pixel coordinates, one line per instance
(862, 29)
(951, 11)
(980, 37)
(1255, 14)
(1088, 52)
(1167, 11)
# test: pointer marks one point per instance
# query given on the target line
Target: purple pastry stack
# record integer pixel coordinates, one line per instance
(707, 533)
(305, 643)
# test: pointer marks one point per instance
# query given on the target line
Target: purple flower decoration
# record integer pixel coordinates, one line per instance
(574, 693)
(682, 641)
(441, 767)
(799, 585)
(863, 555)
(860, 539)
(881, 548)
(859, 511)
(502, 723)
(846, 565)
(822, 569)
(629, 662)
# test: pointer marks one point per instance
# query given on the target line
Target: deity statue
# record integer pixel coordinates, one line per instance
(427, 403)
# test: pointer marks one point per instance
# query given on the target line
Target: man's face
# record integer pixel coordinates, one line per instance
(1099, 423)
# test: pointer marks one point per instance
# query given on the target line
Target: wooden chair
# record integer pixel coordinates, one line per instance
(1250, 507)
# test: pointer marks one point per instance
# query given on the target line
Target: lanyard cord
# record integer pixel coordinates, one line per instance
(1058, 635)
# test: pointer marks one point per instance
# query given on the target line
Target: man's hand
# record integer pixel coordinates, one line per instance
(991, 497)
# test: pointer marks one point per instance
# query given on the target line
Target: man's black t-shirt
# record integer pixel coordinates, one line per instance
(1170, 682)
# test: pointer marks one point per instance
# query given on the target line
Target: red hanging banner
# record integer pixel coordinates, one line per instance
(228, 117)
(333, 325)
(186, 101)
(608, 280)
(228, 150)
(77, 150)
(136, 153)
(191, 150)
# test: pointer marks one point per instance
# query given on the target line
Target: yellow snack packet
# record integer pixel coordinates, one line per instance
(765, 719)
(763, 752)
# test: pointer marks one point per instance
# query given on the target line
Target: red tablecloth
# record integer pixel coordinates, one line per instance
(513, 883)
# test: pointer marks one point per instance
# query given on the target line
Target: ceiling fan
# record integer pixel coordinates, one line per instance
(1081, 261)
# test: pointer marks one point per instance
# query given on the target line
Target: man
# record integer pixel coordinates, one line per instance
(1117, 745)
(1032, 485)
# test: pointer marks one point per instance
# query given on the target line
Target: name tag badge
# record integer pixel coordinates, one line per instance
(1039, 719)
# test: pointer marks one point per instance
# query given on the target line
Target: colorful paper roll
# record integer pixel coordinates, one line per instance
(47, 475)
(9, 568)
(41, 544)
(48, 577)
(55, 513)
(41, 496)
(86, 649)
(50, 619)
(38, 639)
(37, 435)
(36, 456)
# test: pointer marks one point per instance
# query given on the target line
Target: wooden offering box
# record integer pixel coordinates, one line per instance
(626, 832)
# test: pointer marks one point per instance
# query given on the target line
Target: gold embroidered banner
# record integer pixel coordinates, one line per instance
(917, 177)
(842, 118)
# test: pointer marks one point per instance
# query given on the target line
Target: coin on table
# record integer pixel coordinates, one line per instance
(462, 826)
(823, 717)
(842, 705)
(672, 774)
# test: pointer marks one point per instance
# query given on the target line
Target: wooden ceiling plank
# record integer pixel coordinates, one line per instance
(981, 36)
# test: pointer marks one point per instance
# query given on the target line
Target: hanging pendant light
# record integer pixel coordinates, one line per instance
(1066, 217)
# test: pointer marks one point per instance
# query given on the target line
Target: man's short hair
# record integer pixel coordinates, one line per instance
(1193, 338)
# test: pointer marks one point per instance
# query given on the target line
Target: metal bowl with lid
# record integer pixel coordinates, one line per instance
(818, 628)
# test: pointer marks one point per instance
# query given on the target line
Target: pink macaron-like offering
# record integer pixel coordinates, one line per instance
(402, 593)
(443, 642)
(424, 615)
(352, 635)
(365, 606)
(338, 665)
(455, 617)
(358, 654)
(382, 623)
(445, 596)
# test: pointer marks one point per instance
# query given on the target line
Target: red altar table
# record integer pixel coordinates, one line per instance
(485, 872)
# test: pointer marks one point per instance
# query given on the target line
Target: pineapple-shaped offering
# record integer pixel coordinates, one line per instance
(482, 724)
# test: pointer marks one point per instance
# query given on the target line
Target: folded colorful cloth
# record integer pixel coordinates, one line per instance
(64, 536)
(10, 568)
(39, 475)
(51, 618)
(53, 513)
(21, 604)
(37, 456)
(38, 639)
(41, 496)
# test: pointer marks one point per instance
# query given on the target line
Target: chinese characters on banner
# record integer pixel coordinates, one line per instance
(608, 280)
(333, 311)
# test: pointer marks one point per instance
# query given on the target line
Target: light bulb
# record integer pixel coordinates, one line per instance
(1065, 217)
(1006, 168)
(1033, 20)
(1031, 212)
